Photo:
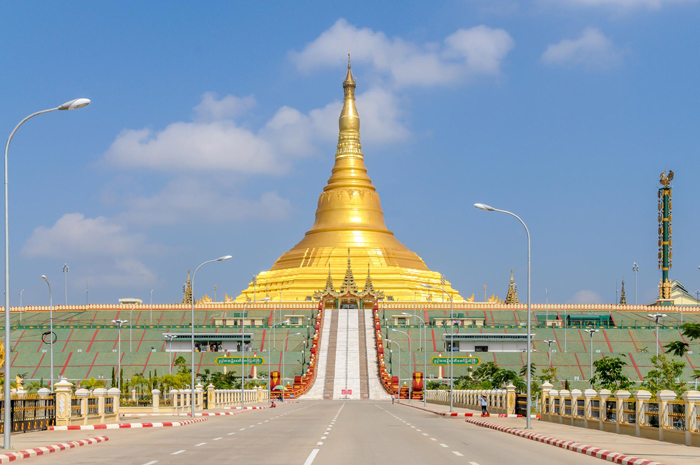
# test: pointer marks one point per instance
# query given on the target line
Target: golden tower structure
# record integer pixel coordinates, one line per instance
(350, 228)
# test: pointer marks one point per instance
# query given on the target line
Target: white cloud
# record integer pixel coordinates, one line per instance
(73, 235)
(592, 51)
(104, 248)
(187, 199)
(475, 51)
(624, 4)
(586, 297)
(229, 107)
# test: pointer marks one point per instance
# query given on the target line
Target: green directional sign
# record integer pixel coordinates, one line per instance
(457, 360)
(239, 360)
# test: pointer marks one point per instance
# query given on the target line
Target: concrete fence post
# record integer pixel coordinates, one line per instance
(621, 397)
(544, 399)
(114, 393)
(553, 397)
(212, 397)
(692, 399)
(63, 402)
(100, 393)
(155, 403)
(199, 397)
(83, 394)
(664, 418)
(642, 398)
(511, 399)
(588, 395)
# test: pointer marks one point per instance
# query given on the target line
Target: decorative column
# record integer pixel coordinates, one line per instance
(114, 392)
(100, 393)
(621, 397)
(212, 395)
(575, 394)
(641, 396)
(174, 400)
(199, 397)
(563, 395)
(511, 398)
(544, 401)
(691, 398)
(155, 400)
(133, 395)
(63, 402)
(588, 395)
(553, 397)
(83, 394)
(665, 242)
(603, 395)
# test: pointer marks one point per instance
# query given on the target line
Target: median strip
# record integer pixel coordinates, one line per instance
(24, 454)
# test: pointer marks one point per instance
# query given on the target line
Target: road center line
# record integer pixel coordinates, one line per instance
(444, 445)
(216, 439)
(473, 463)
(458, 454)
(178, 452)
(200, 444)
(151, 462)
(229, 434)
(311, 457)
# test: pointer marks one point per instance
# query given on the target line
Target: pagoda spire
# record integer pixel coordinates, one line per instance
(512, 296)
(623, 299)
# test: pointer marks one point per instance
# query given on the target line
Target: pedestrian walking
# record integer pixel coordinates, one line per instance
(484, 406)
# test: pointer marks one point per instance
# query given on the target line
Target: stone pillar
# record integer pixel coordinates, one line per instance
(114, 392)
(511, 398)
(553, 396)
(155, 400)
(664, 419)
(43, 392)
(563, 395)
(575, 394)
(641, 398)
(620, 397)
(212, 396)
(603, 395)
(133, 395)
(174, 400)
(691, 398)
(199, 397)
(588, 395)
(544, 400)
(83, 394)
(21, 393)
(100, 393)
(63, 400)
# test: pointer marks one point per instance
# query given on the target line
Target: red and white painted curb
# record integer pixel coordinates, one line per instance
(205, 414)
(126, 425)
(610, 456)
(24, 454)
(455, 414)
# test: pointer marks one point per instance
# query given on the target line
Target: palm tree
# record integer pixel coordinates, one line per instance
(691, 330)
(92, 383)
(677, 348)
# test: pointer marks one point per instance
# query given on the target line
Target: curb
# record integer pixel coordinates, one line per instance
(24, 454)
(448, 414)
(126, 425)
(286, 402)
(604, 454)
(205, 414)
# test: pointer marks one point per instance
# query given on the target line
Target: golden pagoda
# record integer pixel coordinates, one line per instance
(349, 229)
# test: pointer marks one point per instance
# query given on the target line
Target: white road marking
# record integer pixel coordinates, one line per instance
(458, 454)
(216, 439)
(413, 427)
(418, 430)
(200, 444)
(241, 429)
(433, 439)
(444, 445)
(319, 443)
(229, 434)
(473, 463)
(151, 462)
(425, 434)
(311, 457)
(178, 452)
(324, 437)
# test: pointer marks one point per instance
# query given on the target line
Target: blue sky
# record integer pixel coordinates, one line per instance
(213, 128)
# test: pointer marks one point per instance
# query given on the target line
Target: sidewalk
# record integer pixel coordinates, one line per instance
(649, 449)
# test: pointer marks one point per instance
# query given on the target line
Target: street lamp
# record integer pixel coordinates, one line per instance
(409, 354)
(220, 259)
(20, 305)
(283, 347)
(546, 318)
(50, 326)
(549, 343)
(398, 348)
(635, 268)
(119, 324)
(170, 337)
(657, 318)
(487, 208)
(151, 306)
(591, 332)
(7, 418)
(243, 348)
(452, 341)
(425, 356)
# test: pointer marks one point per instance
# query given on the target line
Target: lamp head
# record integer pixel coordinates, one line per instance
(484, 207)
(75, 104)
(225, 257)
(265, 299)
(296, 334)
(43, 276)
(426, 285)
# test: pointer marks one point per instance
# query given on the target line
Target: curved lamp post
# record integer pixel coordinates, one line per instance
(220, 259)
(398, 348)
(591, 333)
(425, 356)
(452, 342)
(170, 337)
(487, 208)
(243, 349)
(50, 326)
(7, 419)
(269, 373)
(119, 324)
(408, 338)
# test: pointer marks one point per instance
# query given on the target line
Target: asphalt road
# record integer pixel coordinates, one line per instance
(324, 432)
